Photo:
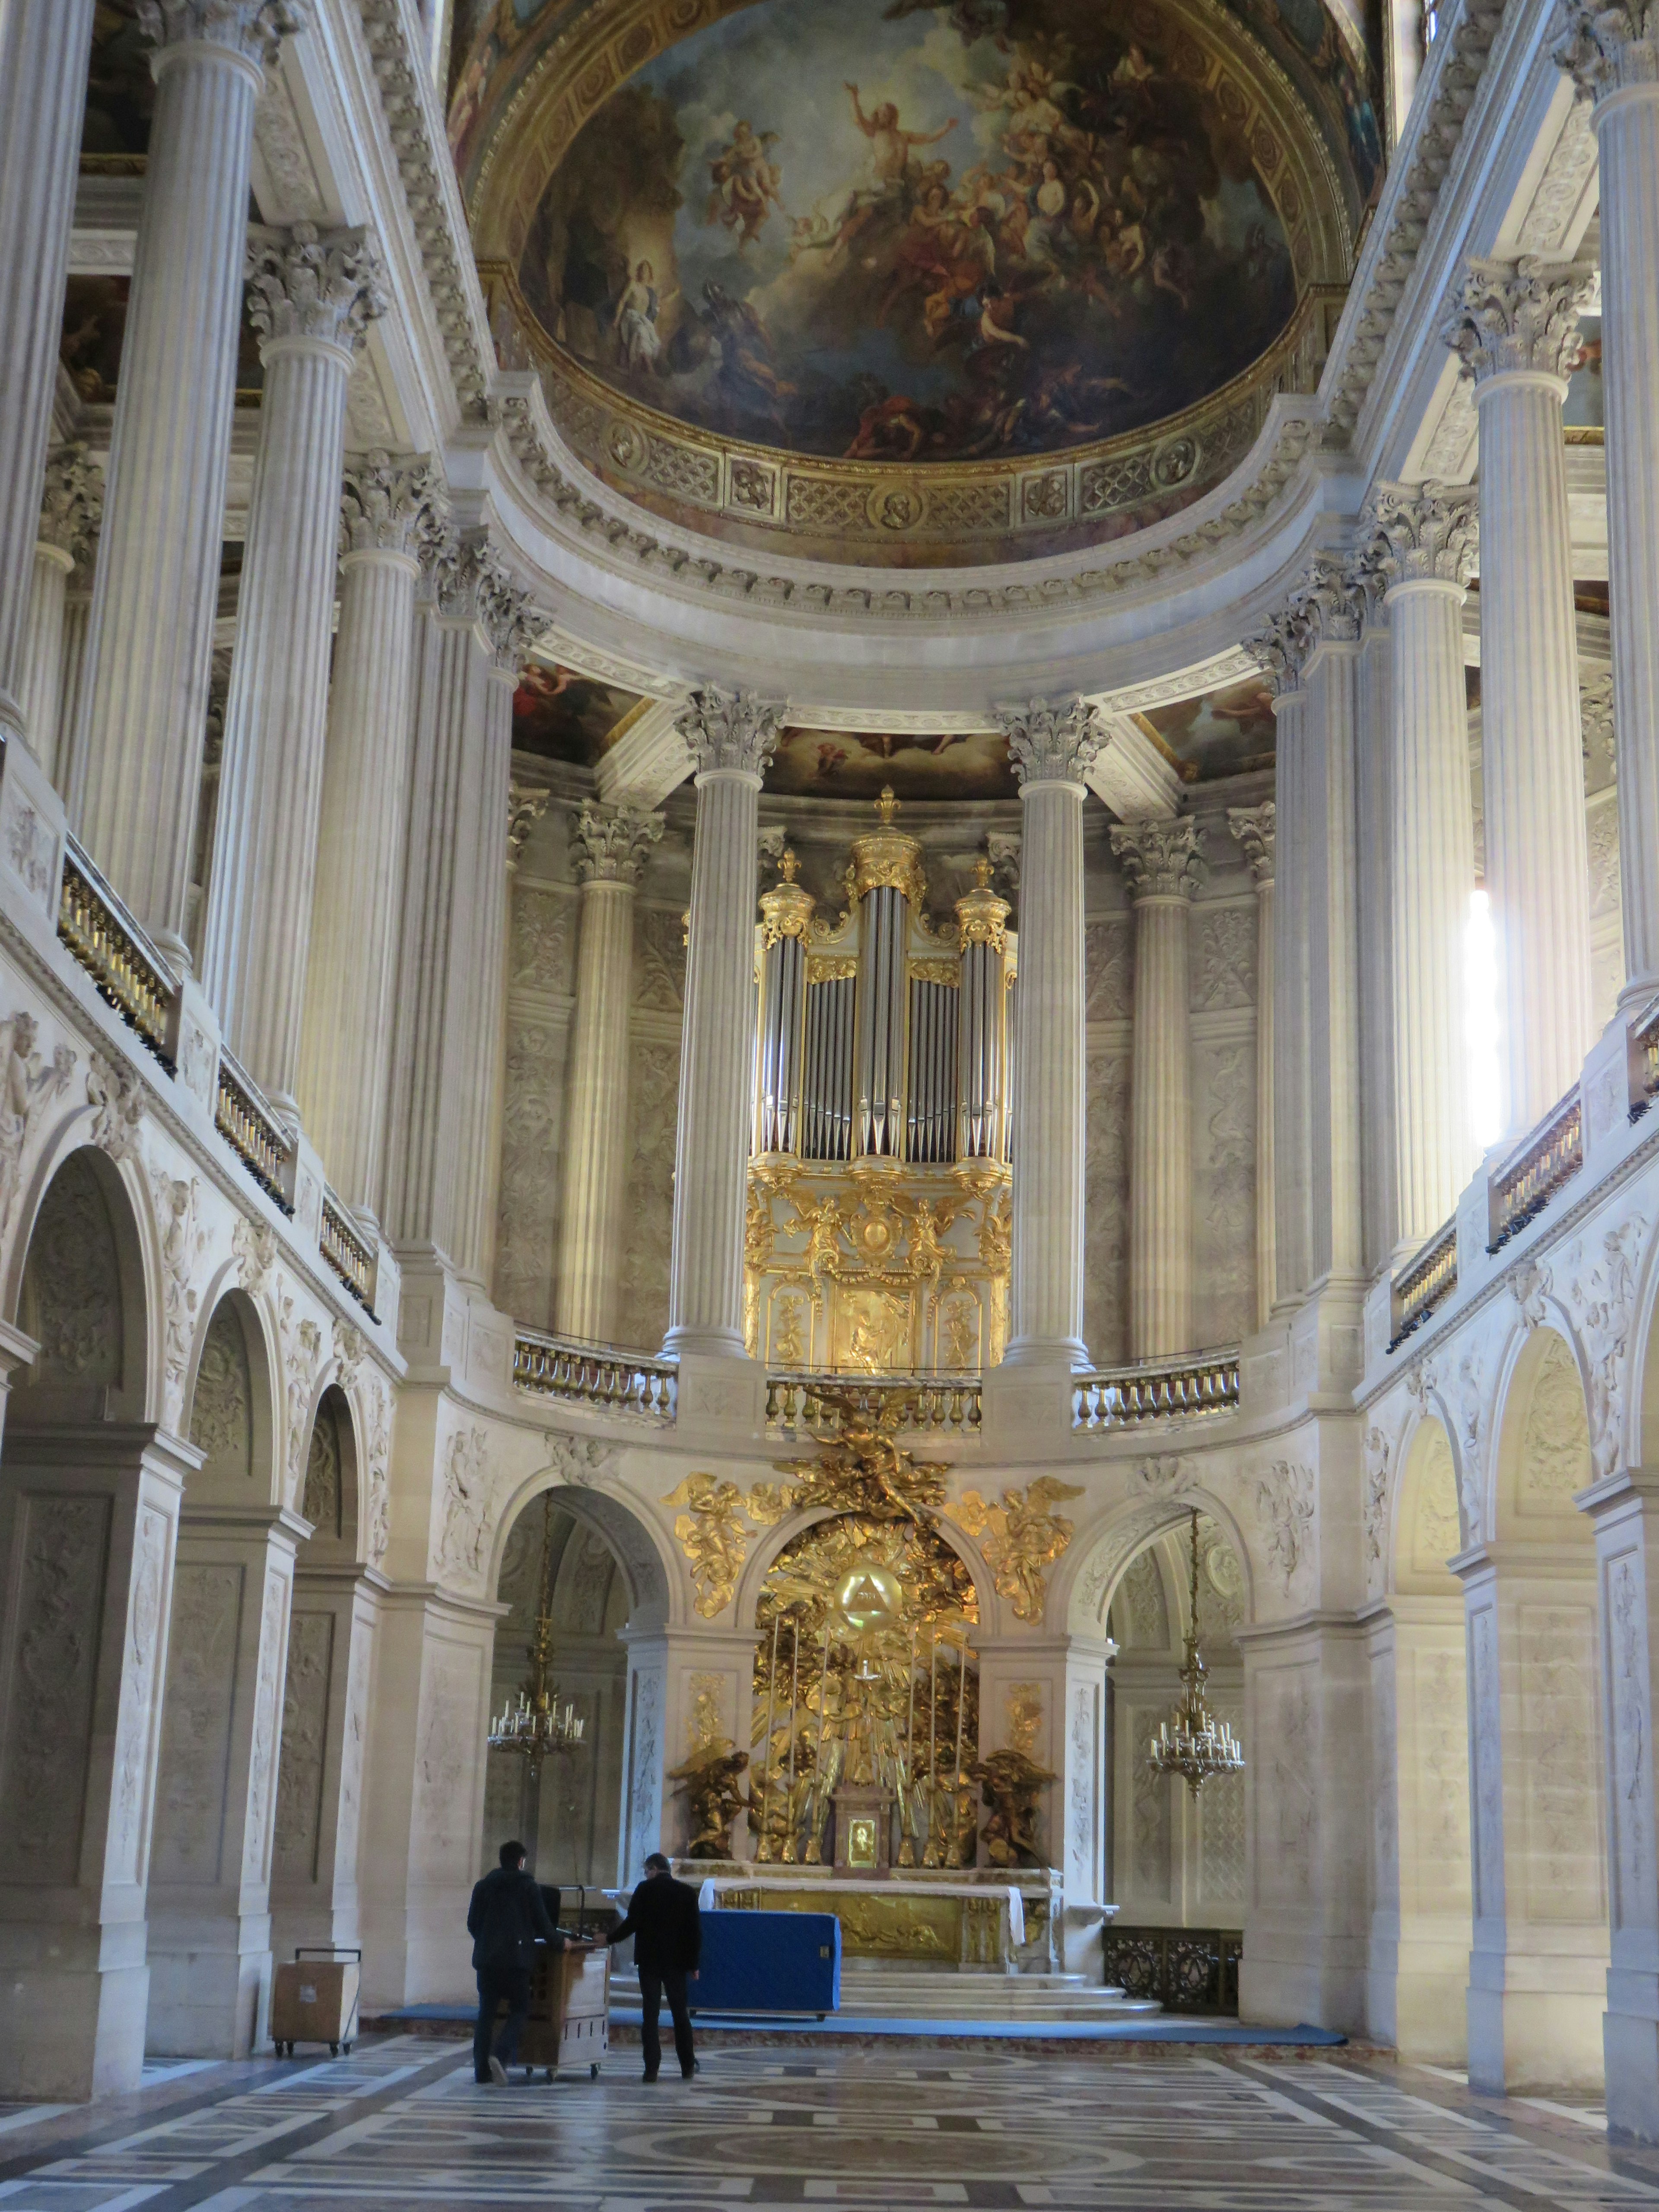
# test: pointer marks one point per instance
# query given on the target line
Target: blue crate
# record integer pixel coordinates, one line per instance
(768, 1962)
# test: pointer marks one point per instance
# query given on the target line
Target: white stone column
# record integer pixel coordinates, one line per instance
(1054, 747)
(608, 848)
(136, 777)
(1426, 549)
(1612, 53)
(1279, 650)
(732, 737)
(1374, 804)
(1516, 330)
(311, 296)
(44, 50)
(392, 507)
(73, 696)
(69, 513)
(1162, 864)
(1252, 827)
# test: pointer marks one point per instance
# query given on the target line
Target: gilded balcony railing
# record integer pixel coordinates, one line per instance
(594, 1375)
(1156, 1390)
(253, 1131)
(1550, 1156)
(797, 1403)
(1426, 1284)
(109, 945)
(348, 1252)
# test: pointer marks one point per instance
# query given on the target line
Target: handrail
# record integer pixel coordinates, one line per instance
(1196, 1383)
(128, 971)
(251, 1130)
(1536, 1171)
(348, 1252)
(1644, 1062)
(1426, 1284)
(943, 1402)
(615, 1380)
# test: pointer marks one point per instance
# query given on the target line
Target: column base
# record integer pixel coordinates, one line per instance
(209, 1998)
(1533, 2040)
(1026, 1409)
(1630, 2044)
(72, 2021)
(705, 1343)
(721, 1396)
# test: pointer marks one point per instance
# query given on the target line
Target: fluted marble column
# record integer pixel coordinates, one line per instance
(1374, 805)
(1612, 52)
(731, 737)
(1425, 540)
(1053, 746)
(608, 848)
(43, 48)
(69, 512)
(1279, 650)
(1163, 863)
(310, 297)
(391, 509)
(134, 794)
(1253, 828)
(1515, 331)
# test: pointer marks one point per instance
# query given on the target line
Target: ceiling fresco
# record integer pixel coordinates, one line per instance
(120, 90)
(1222, 733)
(857, 763)
(560, 715)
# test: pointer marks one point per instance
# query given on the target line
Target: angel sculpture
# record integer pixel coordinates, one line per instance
(1009, 1782)
(708, 1782)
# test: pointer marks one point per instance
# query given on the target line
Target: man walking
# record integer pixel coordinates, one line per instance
(505, 1920)
(667, 1930)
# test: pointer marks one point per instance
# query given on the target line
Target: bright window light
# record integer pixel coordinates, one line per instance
(1480, 1022)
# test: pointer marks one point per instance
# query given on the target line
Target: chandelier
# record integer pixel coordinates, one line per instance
(537, 1728)
(1191, 1742)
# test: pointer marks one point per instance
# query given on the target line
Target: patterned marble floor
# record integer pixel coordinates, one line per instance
(401, 2124)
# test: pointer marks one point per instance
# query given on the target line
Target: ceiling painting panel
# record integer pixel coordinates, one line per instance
(857, 763)
(1221, 733)
(559, 715)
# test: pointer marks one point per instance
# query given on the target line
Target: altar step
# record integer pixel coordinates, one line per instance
(873, 1989)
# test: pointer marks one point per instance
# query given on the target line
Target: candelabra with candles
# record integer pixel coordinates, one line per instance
(1193, 1743)
(539, 1727)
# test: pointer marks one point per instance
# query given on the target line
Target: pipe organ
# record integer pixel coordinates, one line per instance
(878, 1229)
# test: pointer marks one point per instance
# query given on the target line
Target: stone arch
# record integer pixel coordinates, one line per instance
(330, 1492)
(1426, 1526)
(656, 1579)
(1086, 1579)
(764, 1551)
(230, 1405)
(1541, 1454)
(82, 1299)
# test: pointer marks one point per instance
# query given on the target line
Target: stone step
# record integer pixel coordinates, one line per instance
(871, 1992)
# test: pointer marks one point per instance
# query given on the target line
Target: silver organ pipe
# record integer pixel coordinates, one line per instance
(785, 916)
(827, 1086)
(981, 1057)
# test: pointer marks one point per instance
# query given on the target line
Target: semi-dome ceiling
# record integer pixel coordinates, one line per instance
(911, 280)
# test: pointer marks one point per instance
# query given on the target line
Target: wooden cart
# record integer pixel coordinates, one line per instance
(569, 2024)
(315, 1999)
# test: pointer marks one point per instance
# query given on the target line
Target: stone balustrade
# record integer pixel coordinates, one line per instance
(1541, 1163)
(796, 1404)
(613, 1380)
(1426, 1284)
(1182, 1389)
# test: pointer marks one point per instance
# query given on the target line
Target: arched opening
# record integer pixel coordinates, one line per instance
(210, 1954)
(568, 1806)
(88, 1504)
(1417, 1965)
(1538, 1966)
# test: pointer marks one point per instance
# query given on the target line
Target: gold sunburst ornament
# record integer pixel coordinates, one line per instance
(1191, 1742)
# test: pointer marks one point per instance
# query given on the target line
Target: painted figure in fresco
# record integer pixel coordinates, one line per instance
(637, 318)
(745, 183)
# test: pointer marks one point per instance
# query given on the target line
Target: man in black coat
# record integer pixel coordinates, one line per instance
(666, 1927)
(505, 1919)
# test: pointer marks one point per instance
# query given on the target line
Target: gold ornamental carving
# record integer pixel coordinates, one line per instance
(982, 916)
(862, 1469)
(887, 857)
(787, 909)
(712, 1535)
(828, 968)
(1022, 1538)
(707, 1780)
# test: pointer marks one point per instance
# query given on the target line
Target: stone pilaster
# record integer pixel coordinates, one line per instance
(608, 848)
(1374, 809)
(311, 296)
(732, 737)
(1163, 863)
(1054, 745)
(43, 48)
(1425, 541)
(70, 515)
(1515, 328)
(392, 509)
(1612, 52)
(133, 799)
(1279, 650)
(1253, 828)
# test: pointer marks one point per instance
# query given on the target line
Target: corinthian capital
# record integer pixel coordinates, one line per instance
(1522, 314)
(252, 29)
(1423, 532)
(1603, 49)
(731, 730)
(1051, 740)
(611, 844)
(307, 284)
(526, 803)
(1253, 828)
(392, 503)
(1327, 603)
(1160, 859)
(1280, 649)
(72, 502)
(510, 623)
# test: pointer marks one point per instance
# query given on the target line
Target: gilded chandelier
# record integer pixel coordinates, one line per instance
(536, 1728)
(1191, 1742)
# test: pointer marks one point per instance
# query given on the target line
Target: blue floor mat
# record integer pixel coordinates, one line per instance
(1162, 2027)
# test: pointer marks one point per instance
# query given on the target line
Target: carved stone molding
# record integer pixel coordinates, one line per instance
(1519, 315)
(525, 806)
(72, 500)
(1605, 48)
(611, 844)
(1052, 741)
(1419, 533)
(731, 730)
(1160, 859)
(307, 284)
(252, 28)
(1253, 828)
(392, 503)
